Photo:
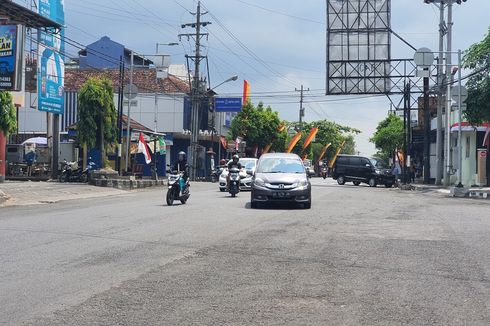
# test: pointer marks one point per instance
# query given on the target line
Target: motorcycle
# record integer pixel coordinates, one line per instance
(234, 185)
(70, 172)
(175, 182)
(215, 174)
(324, 171)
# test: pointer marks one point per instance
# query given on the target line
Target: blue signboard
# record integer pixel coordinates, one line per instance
(228, 104)
(8, 56)
(51, 67)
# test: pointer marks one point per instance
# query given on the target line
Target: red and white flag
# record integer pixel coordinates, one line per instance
(143, 148)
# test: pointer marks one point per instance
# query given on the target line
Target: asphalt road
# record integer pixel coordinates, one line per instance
(360, 256)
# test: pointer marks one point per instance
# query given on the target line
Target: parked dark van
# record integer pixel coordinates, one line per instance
(359, 169)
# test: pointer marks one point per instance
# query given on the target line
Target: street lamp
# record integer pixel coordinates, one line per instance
(211, 95)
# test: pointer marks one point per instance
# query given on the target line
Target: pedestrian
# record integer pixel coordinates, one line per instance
(396, 171)
(413, 169)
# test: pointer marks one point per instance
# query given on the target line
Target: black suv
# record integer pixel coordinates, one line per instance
(361, 169)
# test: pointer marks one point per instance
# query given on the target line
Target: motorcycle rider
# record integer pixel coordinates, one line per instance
(181, 166)
(233, 164)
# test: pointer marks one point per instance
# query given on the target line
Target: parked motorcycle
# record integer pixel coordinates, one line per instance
(234, 185)
(215, 174)
(70, 172)
(175, 183)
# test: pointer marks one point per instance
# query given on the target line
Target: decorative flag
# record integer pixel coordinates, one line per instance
(246, 92)
(266, 149)
(324, 151)
(163, 146)
(293, 142)
(310, 137)
(281, 127)
(223, 141)
(336, 154)
(143, 148)
(486, 139)
(238, 140)
(304, 157)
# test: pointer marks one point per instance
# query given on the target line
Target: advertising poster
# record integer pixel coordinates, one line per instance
(8, 46)
(51, 67)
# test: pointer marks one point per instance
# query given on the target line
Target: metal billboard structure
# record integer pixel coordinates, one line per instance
(358, 47)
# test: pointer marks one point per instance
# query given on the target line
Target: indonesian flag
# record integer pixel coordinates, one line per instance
(143, 148)
(246, 91)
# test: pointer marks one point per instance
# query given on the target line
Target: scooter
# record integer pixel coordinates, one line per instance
(234, 186)
(324, 171)
(85, 176)
(175, 183)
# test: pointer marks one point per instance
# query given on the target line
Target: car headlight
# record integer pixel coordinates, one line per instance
(377, 171)
(303, 183)
(259, 182)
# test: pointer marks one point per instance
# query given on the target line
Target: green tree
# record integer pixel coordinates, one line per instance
(477, 58)
(388, 136)
(97, 126)
(8, 120)
(258, 126)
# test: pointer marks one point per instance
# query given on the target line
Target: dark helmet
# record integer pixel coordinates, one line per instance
(235, 158)
(182, 156)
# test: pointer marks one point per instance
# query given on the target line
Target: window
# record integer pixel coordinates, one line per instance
(468, 145)
(355, 161)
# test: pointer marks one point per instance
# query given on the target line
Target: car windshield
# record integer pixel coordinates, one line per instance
(280, 165)
(248, 164)
(377, 163)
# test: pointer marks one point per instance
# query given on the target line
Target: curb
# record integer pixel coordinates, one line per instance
(3, 197)
(128, 184)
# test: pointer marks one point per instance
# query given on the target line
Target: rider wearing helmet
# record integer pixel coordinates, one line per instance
(181, 166)
(233, 164)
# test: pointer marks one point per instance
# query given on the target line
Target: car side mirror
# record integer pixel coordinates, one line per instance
(368, 165)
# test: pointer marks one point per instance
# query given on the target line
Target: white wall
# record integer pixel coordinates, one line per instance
(170, 112)
(169, 116)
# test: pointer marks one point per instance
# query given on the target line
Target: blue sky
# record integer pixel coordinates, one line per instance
(276, 45)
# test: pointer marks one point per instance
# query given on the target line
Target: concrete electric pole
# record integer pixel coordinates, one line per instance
(301, 108)
(196, 94)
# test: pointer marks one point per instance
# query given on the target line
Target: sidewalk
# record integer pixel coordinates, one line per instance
(474, 192)
(19, 193)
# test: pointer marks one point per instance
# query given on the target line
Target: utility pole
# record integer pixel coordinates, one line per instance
(195, 87)
(440, 97)
(301, 108)
(128, 124)
(449, 79)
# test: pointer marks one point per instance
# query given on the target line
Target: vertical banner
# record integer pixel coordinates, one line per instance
(293, 142)
(310, 137)
(8, 56)
(51, 67)
(246, 92)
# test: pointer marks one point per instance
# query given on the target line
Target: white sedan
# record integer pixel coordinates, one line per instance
(249, 165)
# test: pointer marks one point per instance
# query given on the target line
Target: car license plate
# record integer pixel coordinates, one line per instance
(280, 194)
